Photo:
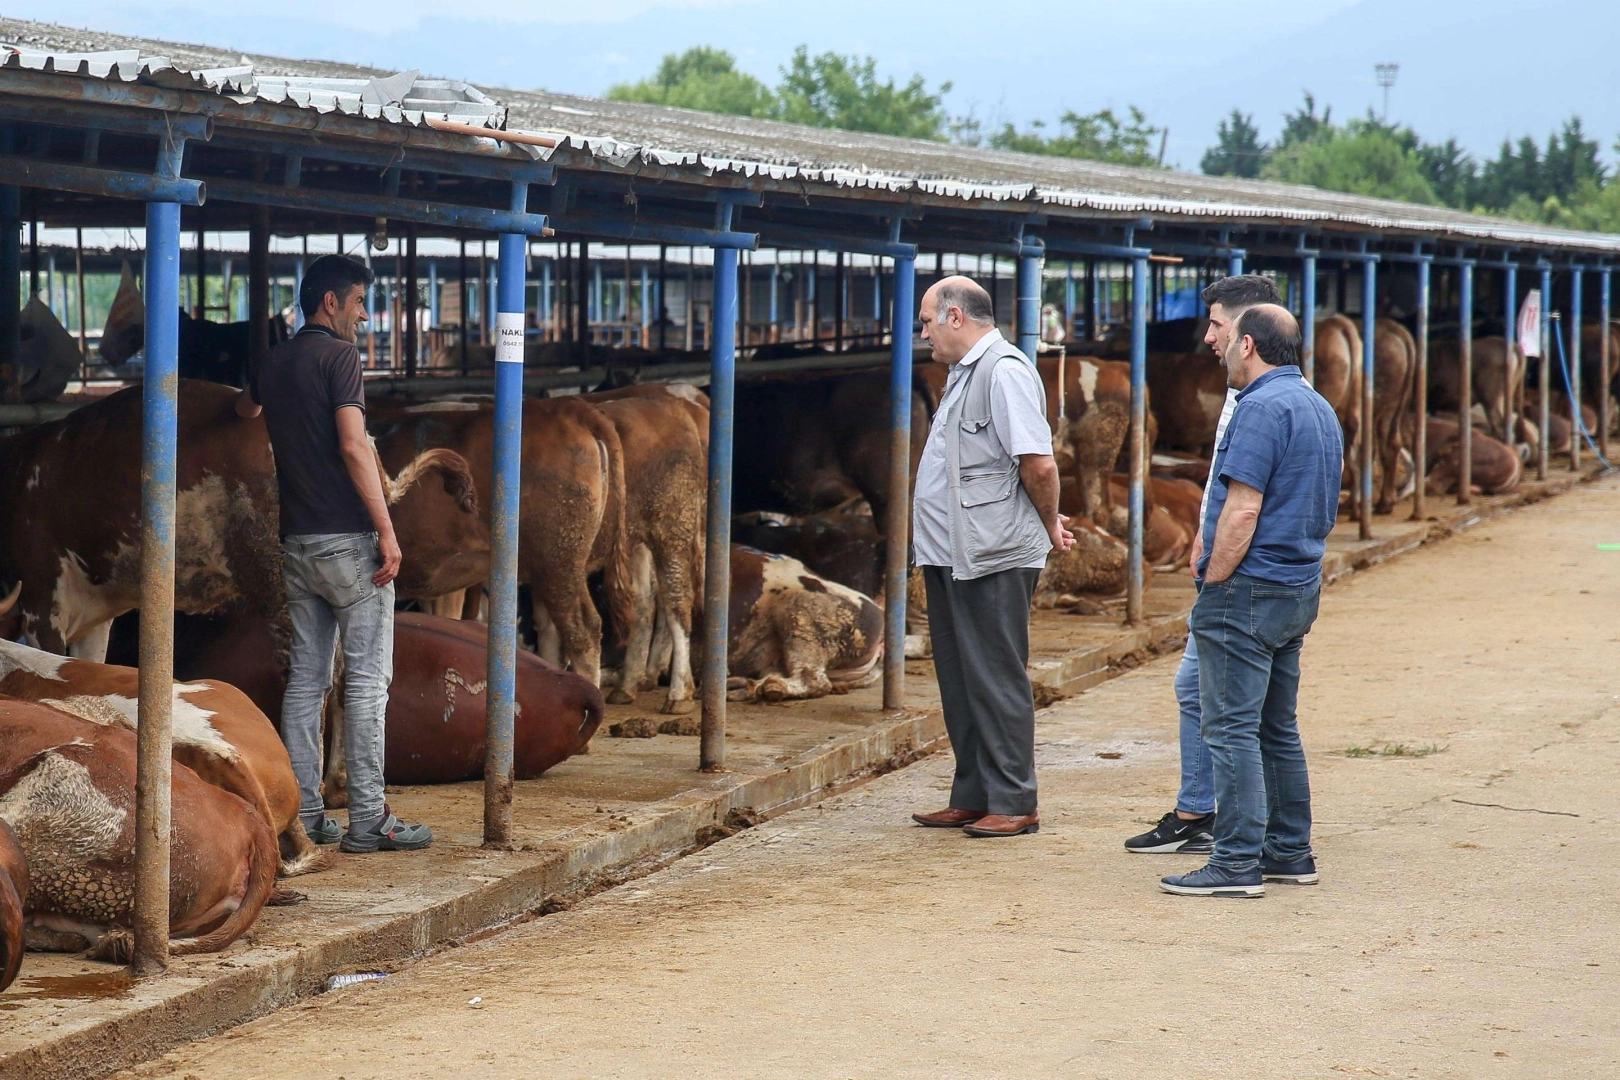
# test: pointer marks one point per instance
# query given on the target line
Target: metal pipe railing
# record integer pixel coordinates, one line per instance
(717, 565)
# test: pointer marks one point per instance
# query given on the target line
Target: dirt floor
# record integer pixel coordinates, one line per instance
(1462, 727)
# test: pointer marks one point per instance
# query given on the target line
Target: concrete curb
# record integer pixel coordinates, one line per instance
(185, 1006)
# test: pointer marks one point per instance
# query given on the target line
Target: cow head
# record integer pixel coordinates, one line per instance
(434, 504)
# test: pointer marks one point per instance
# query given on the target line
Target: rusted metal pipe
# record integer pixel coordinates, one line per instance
(522, 138)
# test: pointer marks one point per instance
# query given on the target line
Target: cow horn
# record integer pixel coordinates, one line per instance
(10, 600)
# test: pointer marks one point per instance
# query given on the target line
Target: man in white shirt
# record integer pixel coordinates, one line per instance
(1189, 828)
(984, 517)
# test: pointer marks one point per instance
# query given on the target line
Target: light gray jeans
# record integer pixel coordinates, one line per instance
(330, 595)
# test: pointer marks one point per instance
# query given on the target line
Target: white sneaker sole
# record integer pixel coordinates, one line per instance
(1175, 847)
(1292, 879)
(1220, 892)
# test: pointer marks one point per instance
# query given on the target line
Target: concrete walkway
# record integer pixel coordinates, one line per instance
(1461, 715)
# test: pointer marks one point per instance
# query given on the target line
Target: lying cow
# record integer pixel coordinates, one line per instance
(1165, 541)
(842, 547)
(218, 733)
(67, 788)
(1093, 570)
(13, 900)
(435, 730)
(1495, 467)
(795, 634)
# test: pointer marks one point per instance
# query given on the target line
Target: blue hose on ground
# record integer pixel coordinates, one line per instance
(1580, 417)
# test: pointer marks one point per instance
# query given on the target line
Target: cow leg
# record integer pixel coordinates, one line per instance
(335, 788)
(547, 642)
(92, 645)
(474, 609)
(676, 616)
(663, 647)
(582, 640)
(448, 606)
(639, 642)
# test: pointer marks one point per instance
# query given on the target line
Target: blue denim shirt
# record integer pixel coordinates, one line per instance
(1285, 442)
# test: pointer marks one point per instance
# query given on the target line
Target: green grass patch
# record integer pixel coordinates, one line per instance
(1399, 749)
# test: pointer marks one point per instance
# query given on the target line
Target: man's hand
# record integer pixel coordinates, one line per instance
(1197, 550)
(388, 546)
(1062, 539)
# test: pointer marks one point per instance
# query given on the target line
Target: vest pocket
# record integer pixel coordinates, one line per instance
(993, 517)
(977, 445)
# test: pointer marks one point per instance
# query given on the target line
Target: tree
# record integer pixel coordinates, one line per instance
(835, 91)
(1098, 136)
(1450, 171)
(1303, 125)
(1238, 150)
(701, 78)
(1360, 159)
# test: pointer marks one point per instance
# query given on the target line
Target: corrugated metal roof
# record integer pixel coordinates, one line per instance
(631, 136)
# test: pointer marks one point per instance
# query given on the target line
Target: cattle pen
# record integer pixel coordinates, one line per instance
(163, 140)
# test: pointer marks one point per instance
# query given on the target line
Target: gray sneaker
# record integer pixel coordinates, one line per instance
(390, 834)
(325, 829)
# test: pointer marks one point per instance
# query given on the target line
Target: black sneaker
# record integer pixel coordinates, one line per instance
(1176, 835)
(1215, 881)
(1301, 871)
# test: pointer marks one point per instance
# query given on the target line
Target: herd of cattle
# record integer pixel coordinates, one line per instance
(610, 558)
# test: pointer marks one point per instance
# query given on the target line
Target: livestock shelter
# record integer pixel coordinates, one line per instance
(103, 132)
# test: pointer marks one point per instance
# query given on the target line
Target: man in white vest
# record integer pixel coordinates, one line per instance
(984, 517)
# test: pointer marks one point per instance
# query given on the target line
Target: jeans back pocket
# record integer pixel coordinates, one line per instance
(337, 574)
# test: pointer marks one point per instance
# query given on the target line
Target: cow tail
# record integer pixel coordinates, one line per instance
(11, 930)
(616, 567)
(263, 861)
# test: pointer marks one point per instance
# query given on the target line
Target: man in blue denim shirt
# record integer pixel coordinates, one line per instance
(1270, 511)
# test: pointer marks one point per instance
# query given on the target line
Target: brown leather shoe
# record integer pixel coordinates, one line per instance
(1003, 825)
(948, 818)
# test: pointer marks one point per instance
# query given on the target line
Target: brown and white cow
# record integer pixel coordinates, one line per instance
(1093, 570)
(218, 733)
(67, 789)
(1494, 466)
(664, 430)
(795, 634)
(571, 506)
(1188, 391)
(70, 531)
(13, 897)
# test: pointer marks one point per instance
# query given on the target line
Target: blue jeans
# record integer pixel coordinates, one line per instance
(1197, 794)
(330, 596)
(1248, 635)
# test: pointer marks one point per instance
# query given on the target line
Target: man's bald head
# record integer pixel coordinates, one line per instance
(955, 314)
(964, 294)
(1274, 331)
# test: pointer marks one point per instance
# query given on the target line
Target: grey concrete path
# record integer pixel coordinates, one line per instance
(1463, 928)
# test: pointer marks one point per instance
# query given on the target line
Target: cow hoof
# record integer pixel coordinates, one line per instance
(672, 707)
(620, 696)
(772, 691)
(116, 946)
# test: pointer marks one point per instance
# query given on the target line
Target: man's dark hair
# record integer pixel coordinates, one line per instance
(331, 274)
(1274, 332)
(969, 297)
(1241, 291)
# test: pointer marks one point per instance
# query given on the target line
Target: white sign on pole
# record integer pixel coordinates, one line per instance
(1530, 323)
(509, 337)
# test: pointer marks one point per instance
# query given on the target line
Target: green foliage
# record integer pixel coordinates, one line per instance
(1098, 136)
(1360, 158)
(1238, 150)
(701, 78)
(835, 91)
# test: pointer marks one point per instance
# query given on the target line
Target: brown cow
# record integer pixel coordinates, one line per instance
(67, 788)
(1337, 378)
(1096, 421)
(1494, 466)
(571, 504)
(218, 733)
(796, 635)
(1166, 542)
(1496, 371)
(1394, 378)
(665, 434)
(436, 709)
(13, 899)
(842, 547)
(70, 533)
(1095, 568)
(433, 503)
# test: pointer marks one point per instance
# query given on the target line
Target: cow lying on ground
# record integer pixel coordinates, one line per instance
(795, 634)
(13, 898)
(218, 733)
(1495, 467)
(67, 788)
(1165, 541)
(1496, 371)
(839, 546)
(1092, 571)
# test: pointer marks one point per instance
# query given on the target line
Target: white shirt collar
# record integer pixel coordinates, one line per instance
(991, 336)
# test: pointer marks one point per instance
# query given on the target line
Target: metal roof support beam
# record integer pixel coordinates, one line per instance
(1369, 329)
(90, 118)
(1544, 370)
(641, 230)
(717, 568)
(1571, 362)
(382, 157)
(1138, 440)
(1605, 358)
(441, 215)
(792, 237)
(57, 176)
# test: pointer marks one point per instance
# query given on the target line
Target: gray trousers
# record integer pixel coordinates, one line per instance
(980, 631)
(330, 595)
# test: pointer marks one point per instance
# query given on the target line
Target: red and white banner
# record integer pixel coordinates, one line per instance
(1530, 323)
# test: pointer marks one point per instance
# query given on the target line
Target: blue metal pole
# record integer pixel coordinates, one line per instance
(1029, 304)
(1307, 314)
(776, 276)
(1605, 359)
(1138, 438)
(159, 412)
(897, 530)
(298, 309)
(1576, 279)
(545, 293)
(717, 571)
(10, 291)
(1510, 337)
(1069, 320)
(433, 293)
(1369, 315)
(1420, 392)
(646, 305)
(1544, 458)
(1234, 265)
(1465, 390)
(503, 568)
(596, 313)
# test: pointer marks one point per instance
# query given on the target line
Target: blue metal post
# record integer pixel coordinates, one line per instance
(433, 294)
(776, 276)
(1510, 336)
(1465, 389)
(10, 291)
(500, 718)
(545, 293)
(298, 309)
(597, 310)
(1138, 438)
(1307, 314)
(1605, 360)
(717, 571)
(159, 412)
(1234, 265)
(1544, 457)
(1574, 357)
(646, 306)
(1420, 391)
(897, 530)
(1029, 304)
(1069, 321)
(1369, 315)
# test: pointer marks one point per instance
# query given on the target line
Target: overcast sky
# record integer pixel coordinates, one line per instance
(1186, 63)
